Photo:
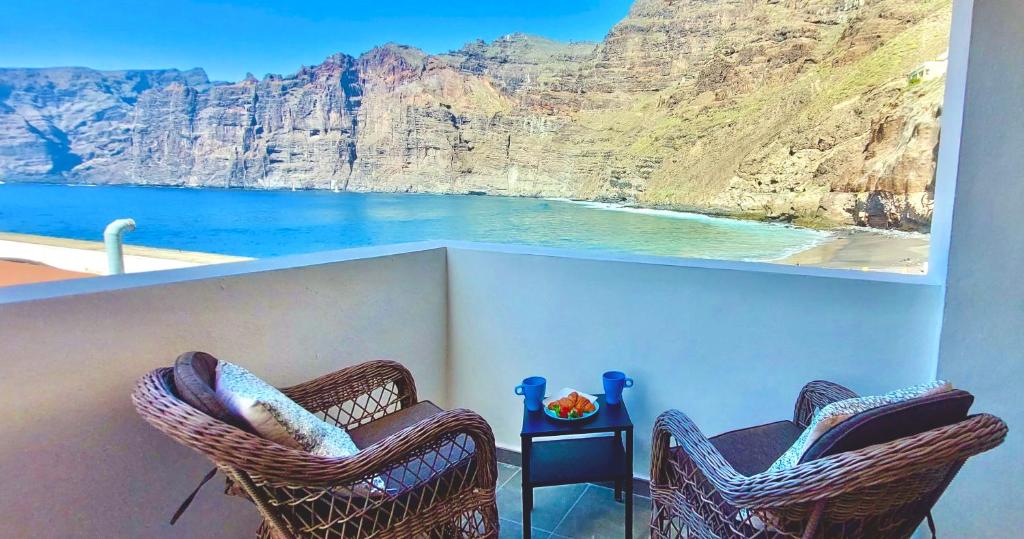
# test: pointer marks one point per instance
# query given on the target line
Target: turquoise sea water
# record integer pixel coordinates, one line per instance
(269, 223)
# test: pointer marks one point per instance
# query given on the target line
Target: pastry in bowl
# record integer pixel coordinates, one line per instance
(571, 406)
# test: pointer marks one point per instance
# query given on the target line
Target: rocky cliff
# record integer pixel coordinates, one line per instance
(823, 111)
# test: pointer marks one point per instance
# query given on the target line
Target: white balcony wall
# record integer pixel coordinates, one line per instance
(729, 344)
(76, 461)
(730, 348)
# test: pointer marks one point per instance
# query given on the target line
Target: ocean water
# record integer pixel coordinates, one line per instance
(268, 223)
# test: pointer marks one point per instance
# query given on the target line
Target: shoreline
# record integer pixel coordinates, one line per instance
(853, 249)
(842, 247)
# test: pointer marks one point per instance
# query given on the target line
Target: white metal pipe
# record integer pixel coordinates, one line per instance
(112, 237)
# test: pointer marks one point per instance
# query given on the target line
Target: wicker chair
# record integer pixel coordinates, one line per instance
(880, 491)
(439, 466)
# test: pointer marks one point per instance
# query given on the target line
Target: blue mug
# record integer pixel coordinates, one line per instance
(614, 383)
(533, 389)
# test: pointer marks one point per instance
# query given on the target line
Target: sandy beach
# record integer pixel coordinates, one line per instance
(26, 259)
(868, 250)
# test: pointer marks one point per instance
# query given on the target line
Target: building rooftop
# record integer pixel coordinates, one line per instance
(15, 272)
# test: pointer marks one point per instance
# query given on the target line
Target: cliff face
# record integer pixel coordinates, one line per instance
(787, 109)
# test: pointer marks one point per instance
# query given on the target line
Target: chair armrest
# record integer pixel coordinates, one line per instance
(265, 460)
(287, 466)
(704, 456)
(816, 395)
(819, 479)
(891, 462)
(453, 427)
(375, 389)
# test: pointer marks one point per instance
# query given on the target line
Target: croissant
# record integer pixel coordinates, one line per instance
(584, 406)
(569, 401)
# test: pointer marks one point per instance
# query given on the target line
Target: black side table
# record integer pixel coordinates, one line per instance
(578, 460)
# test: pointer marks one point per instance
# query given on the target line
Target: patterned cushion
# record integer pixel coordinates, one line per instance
(839, 411)
(272, 415)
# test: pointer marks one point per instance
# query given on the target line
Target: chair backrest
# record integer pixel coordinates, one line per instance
(888, 424)
(892, 422)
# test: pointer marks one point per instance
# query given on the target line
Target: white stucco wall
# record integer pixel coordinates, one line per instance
(729, 348)
(728, 343)
(982, 346)
(76, 460)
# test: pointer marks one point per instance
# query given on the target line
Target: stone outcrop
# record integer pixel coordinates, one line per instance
(804, 110)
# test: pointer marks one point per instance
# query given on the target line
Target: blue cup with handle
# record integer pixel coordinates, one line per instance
(532, 389)
(614, 383)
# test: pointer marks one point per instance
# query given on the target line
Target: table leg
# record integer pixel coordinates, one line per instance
(629, 483)
(527, 489)
(618, 482)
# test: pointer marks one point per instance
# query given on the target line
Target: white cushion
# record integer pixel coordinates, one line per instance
(274, 416)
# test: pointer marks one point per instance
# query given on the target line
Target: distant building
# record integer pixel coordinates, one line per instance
(930, 70)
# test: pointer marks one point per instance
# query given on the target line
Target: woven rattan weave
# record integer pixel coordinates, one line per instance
(879, 492)
(441, 472)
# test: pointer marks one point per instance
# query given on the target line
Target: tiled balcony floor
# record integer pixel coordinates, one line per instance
(569, 511)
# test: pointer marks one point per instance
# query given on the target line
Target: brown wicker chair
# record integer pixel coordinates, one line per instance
(880, 491)
(439, 466)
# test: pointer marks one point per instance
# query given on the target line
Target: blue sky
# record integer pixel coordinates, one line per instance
(229, 38)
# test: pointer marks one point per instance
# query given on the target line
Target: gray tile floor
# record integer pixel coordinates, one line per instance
(567, 512)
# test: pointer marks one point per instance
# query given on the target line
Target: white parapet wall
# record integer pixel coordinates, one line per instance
(729, 343)
(730, 348)
(77, 461)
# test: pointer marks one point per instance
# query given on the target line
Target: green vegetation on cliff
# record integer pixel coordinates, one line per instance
(800, 111)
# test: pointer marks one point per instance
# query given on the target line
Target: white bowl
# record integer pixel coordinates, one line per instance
(564, 392)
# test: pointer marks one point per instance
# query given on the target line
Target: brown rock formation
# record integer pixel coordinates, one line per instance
(782, 109)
